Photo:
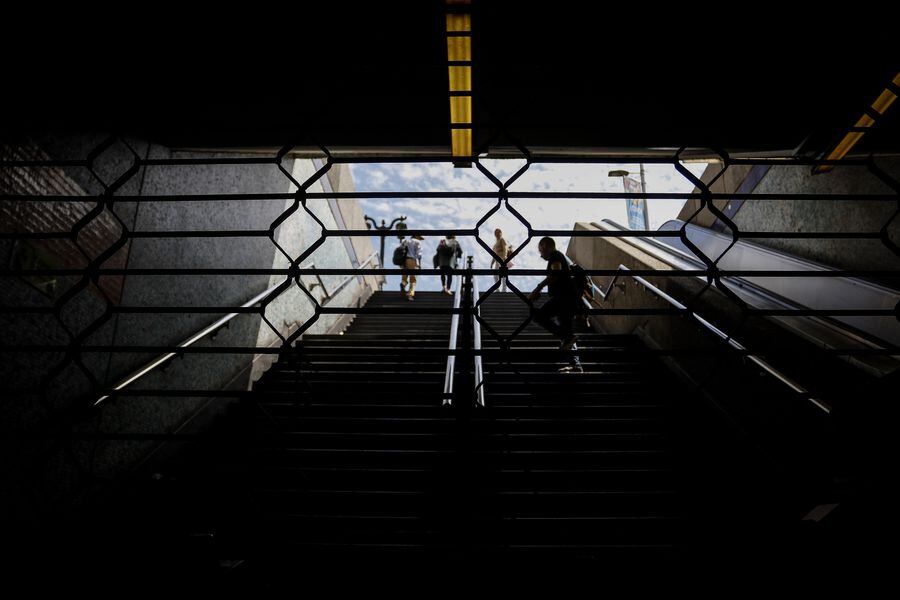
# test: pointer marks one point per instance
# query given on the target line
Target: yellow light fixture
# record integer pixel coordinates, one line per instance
(461, 142)
(459, 71)
(460, 109)
(460, 79)
(457, 22)
(881, 104)
(886, 98)
(459, 48)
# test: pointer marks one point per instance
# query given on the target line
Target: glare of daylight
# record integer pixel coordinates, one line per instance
(464, 213)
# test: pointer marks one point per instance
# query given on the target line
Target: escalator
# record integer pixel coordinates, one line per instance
(816, 290)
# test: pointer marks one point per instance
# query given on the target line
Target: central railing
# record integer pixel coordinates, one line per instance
(450, 371)
(476, 343)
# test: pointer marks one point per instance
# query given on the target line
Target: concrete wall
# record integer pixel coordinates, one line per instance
(822, 215)
(726, 183)
(815, 215)
(29, 410)
(293, 308)
(28, 372)
(39, 386)
(194, 371)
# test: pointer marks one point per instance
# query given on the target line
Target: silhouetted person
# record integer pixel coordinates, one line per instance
(503, 250)
(558, 311)
(446, 256)
(413, 260)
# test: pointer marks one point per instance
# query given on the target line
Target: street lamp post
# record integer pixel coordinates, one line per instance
(370, 224)
(623, 174)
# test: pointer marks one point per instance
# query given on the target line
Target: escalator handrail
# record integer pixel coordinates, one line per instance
(784, 379)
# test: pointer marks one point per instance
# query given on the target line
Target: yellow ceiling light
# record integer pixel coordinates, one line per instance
(460, 109)
(881, 104)
(461, 142)
(459, 70)
(459, 48)
(886, 98)
(460, 79)
(457, 22)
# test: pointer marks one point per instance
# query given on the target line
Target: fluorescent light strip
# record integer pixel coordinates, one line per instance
(881, 104)
(458, 22)
(460, 78)
(460, 109)
(459, 50)
(461, 142)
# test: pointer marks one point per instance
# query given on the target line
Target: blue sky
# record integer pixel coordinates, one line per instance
(541, 213)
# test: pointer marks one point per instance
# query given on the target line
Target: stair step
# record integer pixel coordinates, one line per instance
(427, 478)
(441, 439)
(377, 530)
(430, 385)
(373, 340)
(353, 454)
(435, 423)
(389, 409)
(422, 458)
(538, 503)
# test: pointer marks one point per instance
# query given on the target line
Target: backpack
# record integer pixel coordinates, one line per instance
(581, 283)
(446, 251)
(400, 254)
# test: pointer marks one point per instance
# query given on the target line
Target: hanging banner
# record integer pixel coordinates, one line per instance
(637, 209)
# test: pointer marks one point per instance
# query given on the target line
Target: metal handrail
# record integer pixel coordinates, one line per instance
(476, 340)
(348, 279)
(676, 258)
(319, 282)
(716, 331)
(215, 325)
(454, 330)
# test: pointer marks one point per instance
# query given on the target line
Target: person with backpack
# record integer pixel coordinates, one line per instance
(445, 258)
(557, 313)
(408, 256)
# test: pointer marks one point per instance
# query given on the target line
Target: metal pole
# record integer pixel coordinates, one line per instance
(381, 252)
(476, 343)
(370, 223)
(450, 372)
(467, 328)
(644, 199)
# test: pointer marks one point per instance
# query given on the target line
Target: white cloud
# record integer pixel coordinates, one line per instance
(378, 206)
(555, 213)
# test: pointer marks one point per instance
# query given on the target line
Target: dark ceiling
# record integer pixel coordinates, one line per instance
(373, 75)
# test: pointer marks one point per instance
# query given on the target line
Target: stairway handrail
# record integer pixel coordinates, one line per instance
(348, 279)
(454, 331)
(476, 343)
(215, 325)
